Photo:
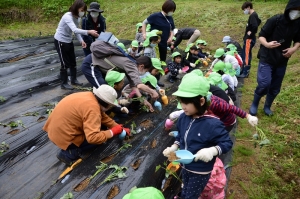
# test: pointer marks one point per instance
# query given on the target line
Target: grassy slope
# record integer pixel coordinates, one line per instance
(270, 172)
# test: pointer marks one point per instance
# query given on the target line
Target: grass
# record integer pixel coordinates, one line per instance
(268, 172)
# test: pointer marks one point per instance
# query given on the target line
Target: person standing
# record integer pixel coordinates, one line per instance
(162, 21)
(64, 44)
(93, 21)
(276, 37)
(249, 37)
(75, 123)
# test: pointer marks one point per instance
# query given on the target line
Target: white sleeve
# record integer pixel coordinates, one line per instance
(69, 21)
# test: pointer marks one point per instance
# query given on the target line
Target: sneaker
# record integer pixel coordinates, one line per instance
(67, 157)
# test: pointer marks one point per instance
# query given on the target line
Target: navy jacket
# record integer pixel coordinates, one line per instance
(201, 54)
(277, 28)
(88, 24)
(203, 132)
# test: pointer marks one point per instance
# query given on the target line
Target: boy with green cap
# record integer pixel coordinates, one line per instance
(174, 67)
(201, 45)
(191, 56)
(157, 70)
(219, 68)
(149, 45)
(199, 132)
(139, 36)
(133, 50)
(121, 45)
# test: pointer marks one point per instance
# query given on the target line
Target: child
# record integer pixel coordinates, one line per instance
(139, 36)
(191, 57)
(201, 44)
(199, 132)
(232, 48)
(229, 70)
(133, 51)
(121, 45)
(156, 69)
(219, 68)
(216, 80)
(149, 44)
(174, 67)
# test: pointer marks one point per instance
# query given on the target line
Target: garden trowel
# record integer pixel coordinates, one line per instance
(69, 169)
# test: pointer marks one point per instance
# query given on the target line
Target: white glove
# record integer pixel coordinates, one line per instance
(174, 115)
(192, 65)
(124, 110)
(180, 71)
(168, 150)
(252, 120)
(124, 102)
(206, 154)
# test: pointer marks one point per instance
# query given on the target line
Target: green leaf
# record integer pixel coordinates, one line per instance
(157, 168)
(68, 195)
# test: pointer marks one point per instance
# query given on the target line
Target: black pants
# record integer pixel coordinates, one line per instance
(66, 54)
(162, 52)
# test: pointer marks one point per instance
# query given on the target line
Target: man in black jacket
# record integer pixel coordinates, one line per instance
(93, 21)
(276, 37)
(249, 37)
(190, 34)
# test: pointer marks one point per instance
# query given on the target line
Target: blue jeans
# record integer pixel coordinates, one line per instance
(247, 51)
(269, 79)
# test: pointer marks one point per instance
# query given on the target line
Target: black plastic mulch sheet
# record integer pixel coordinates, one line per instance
(30, 169)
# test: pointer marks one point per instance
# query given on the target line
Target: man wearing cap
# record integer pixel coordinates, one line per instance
(227, 40)
(105, 57)
(75, 123)
(93, 21)
(190, 34)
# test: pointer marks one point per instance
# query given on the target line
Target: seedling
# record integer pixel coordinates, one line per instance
(263, 138)
(168, 171)
(2, 99)
(13, 124)
(68, 195)
(31, 114)
(118, 173)
(133, 128)
(83, 88)
(141, 100)
(3, 147)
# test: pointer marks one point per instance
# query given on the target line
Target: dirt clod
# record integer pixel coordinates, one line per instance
(136, 164)
(146, 124)
(173, 157)
(113, 192)
(153, 144)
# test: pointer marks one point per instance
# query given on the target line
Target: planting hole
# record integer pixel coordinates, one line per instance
(14, 132)
(41, 118)
(146, 124)
(153, 144)
(82, 185)
(113, 192)
(136, 164)
(108, 158)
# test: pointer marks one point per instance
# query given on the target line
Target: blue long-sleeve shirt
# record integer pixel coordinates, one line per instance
(203, 132)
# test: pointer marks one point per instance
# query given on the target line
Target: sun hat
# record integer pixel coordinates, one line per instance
(138, 25)
(197, 72)
(218, 66)
(150, 78)
(231, 47)
(122, 46)
(226, 39)
(145, 192)
(113, 77)
(216, 80)
(188, 87)
(201, 42)
(219, 53)
(106, 93)
(229, 69)
(157, 64)
(95, 7)
(135, 43)
(148, 27)
(187, 49)
(231, 52)
(149, 35)
(158, 32)
(175, 54)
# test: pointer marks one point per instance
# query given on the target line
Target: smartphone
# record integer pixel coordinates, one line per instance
(281, 41)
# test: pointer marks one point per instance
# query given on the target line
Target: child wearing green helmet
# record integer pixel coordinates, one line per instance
(149, 45)
(199, 132)
(139, 36)
(122, 46)
(219, 68)
(133, 50)
(201, 45)
(174, 67)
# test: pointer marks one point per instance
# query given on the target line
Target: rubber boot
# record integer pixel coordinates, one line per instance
(245, 73)
(74, 81)
(268, 104)
(64, 79)
(254, 105)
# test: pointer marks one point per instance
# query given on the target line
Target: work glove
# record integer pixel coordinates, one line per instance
(180, 71)
(174, 115)
(124, 102)
(169, 150)
(206, 154)
(127, 131)
(116, 130)
(192, 65)
(252, 120)
(124, 110)
(162, 92)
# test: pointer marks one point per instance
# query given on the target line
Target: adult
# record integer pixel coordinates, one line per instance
(274, 54)
(249, 37)
(105, 57)
(93, 21)
(228, 40)
(64, 44)
(190, 34)
(162, 21)
(75, 123)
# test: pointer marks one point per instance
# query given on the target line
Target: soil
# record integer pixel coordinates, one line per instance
(41, 118)
(14, 132)
(136, 164)
(113, 192)
(167, 183)
(82, 185)
(146, 124)
(108, 158)
(173, 157)
(153, 144)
